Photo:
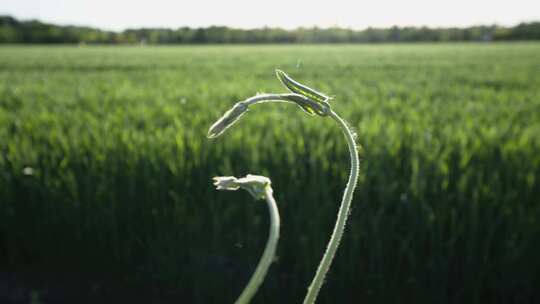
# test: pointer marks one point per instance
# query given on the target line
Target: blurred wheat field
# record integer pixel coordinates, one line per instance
(105, 167)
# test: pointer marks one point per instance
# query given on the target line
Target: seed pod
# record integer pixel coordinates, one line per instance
(299, 88)
(227, 120)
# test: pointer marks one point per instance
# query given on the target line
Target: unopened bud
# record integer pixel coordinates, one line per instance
(227, 120)
(309, 106)
(298, 88)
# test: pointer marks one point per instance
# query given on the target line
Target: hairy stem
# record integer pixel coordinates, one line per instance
(333, 244)
(269, 98)
(269, 252)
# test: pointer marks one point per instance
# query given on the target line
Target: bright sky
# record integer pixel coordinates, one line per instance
(121, 14)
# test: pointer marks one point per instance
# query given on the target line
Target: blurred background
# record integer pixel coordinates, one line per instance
(105, 168)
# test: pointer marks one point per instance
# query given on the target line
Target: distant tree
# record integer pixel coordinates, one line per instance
(33, 31)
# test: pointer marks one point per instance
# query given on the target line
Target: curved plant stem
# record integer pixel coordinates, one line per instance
(333, 244)
(269, 252)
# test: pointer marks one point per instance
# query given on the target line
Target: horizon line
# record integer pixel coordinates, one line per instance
(313, 26)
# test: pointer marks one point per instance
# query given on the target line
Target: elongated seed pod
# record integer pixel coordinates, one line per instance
(227, 120)
(299, 88)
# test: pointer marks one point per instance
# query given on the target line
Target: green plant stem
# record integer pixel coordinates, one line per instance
(261, 98)
(269, 252)
(333, 244)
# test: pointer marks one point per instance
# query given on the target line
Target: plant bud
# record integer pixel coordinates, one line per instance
(299, 88)
(309, 106)
(227, 120)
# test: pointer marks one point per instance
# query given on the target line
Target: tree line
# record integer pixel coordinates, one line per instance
(33, 31)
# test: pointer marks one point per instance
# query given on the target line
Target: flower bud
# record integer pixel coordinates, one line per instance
(227, 120)
(298, 88)
(309, 106)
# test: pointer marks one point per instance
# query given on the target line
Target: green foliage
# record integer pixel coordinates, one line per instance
(104, 166)
(14, 31)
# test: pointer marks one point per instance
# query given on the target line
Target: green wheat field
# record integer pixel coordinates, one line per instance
(105, 172)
